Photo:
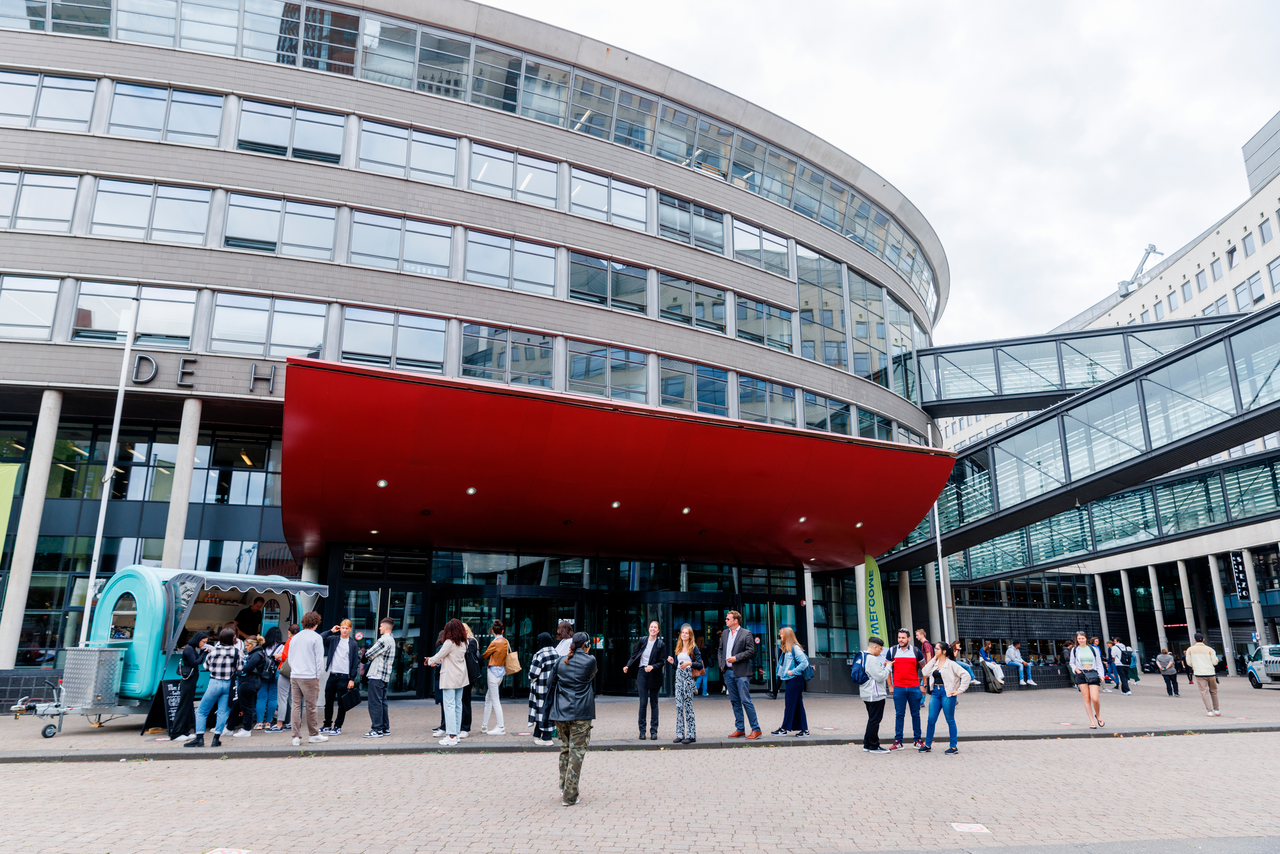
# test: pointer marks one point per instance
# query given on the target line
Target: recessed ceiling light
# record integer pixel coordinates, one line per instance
(568, 521)
(373, 532)
(471, 490)
(425, 512)
(685, 511)
(382, 484)
(616, 505)
(810, 540)
(859, 525)
(804, 518)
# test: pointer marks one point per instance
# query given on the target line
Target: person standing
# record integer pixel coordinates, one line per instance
(737, 648)
(268, 695)
(1013, 657)
(646, 660)
(452, 661)
(474, 672)
(947, 681)
(249, 621)
(564, 638)
(381, 658)
(906, 662)
(873, 692)
(189, 671)
(283, 690)
(540, 667)
(573, 708)
(495, 655)
(1168, 667)
(342, 660)
(923, 640)
(223, 662)
(792, 665)
(687, 659)
(250, 683)
(1120, 660)
(1203, 662)
(1089, 669)
(306, 661)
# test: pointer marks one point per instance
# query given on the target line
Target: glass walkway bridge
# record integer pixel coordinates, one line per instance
(1072, 480)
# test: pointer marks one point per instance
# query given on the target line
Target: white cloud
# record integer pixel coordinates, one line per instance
(1047, 143)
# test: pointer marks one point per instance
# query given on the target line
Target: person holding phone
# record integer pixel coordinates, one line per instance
(947, 681)
(687, 659)
(573, 708)
(1089, 669)
(342, 661)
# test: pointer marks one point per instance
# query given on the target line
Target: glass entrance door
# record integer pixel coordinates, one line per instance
(366, 607)
(707, 625)
(525, 619)
(765, 620)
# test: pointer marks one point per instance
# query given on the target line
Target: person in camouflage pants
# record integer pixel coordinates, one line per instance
(575, 737)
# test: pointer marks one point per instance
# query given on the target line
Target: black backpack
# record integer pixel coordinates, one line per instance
(473, 659)
(1126, 656)
(270, 668)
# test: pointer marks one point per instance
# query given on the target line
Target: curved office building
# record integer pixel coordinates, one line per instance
(453, 311)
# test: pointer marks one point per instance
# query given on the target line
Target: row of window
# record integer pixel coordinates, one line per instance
(133, 210)
(373, 47)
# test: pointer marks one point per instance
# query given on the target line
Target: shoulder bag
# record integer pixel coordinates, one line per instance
(513, 660)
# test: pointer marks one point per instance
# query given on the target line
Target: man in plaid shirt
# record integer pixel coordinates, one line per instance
(381, 657)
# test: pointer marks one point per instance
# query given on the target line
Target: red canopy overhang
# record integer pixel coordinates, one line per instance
(559, 474)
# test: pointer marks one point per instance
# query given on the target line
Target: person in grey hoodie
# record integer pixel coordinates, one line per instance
(873, 693)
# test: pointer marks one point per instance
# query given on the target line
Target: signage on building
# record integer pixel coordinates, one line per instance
(1238, 573)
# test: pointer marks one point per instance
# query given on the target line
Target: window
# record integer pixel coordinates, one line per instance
(388, 52)
(1250, 292)
(760, 248)
(690, 223)
(506, 355)
(165, 315)
(607, 282)
(260, 326)
(1219, 307)
(1159, 310)
(609, 199)
(1264, 229)
(1273, 269)
(1216, 268)
(400, 244)
(276, 225)
(592, 106)
(822, 329)
(1186, 292)
(495, 78)
(1231, 257)
(1173, 300)
(831, 416)
(1248, 245)
(607, 371)
(766, 402)
(42, 101)
(1146, 316)
(690, 303)
(1201, 281)
(37, 202)
(872, 426)
(289, 132)
(507, 263)
(150, 212)
(443, 65)
(409, 153)
(405, 342)
(505, 173)
(695, 388)
(764, 324)
(149, 112)
(26, 307)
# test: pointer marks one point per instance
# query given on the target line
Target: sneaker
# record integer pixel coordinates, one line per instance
(336, 731)
(498, 731)
(373, 733)
(287, 727)
(1217, 714)
(437, 733)
(566, 802)
(779, 732)
(241, 733)
(923, 748)
(1208, 714)
(1031, 682)
(485, 729)
(316, 739)
(275, 728)
(804, 733)
(897, 745)
(259, 726)
(919, 742)
(1022, 682)
(951, 751)
(1127, 693)
(874, 750)
(297, 741)
(543, 742)
(326, 729)
(462, 734)
(1106, 690)
(449, 741)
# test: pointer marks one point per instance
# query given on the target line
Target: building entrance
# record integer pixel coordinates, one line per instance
(366, 606)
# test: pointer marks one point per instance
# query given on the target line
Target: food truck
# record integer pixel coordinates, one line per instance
(140, 622)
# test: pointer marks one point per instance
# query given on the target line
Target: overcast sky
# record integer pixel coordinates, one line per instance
(1047, 143)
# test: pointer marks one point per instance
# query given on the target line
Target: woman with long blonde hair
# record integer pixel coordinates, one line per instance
(792, 665)
(688, 662)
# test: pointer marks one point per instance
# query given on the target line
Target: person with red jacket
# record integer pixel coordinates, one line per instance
(905, 662)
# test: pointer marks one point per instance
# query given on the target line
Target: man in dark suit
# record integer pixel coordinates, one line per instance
(646, 661)
(737, 647)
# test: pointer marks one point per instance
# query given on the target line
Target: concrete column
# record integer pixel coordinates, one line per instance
(1102, 606)
(310, 572)
(1128, 609)
(904, 605)
(1187, 607)
(24, 542)
(175, 529)
(1255, 598)
(949, 629)
(931, 596)
(1220, 603)
(1158, 603)
(811, 632)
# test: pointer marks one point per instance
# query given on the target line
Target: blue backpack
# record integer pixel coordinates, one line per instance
(858, 672)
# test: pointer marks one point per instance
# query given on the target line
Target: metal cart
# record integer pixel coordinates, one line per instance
(90, 686)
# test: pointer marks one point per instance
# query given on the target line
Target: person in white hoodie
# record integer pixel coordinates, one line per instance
(874, 692)
(306, 663)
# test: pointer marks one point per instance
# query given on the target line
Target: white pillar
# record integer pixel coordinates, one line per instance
(1102, 607)
(811, 636)
(28, 534)
(1158, 603)
(1187, 607)
(175, 529)
(1128, 609)
(931, 597)
(1220, 603)
(1255, 597)
(904, 606)
(310, 572)
(950, 630)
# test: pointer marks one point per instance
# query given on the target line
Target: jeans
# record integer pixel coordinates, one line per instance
(451, 698)
(940, 702)
(466, 709)
(700, 684)
(217, 693)
(282, 699)
(902, 698)
(492, 702)
(333, 689)
(648, 685)
(266, 706)
(793, 716)
(308, 690)
(378, 720)
(1171, 683)
(1024, 671)
(875, 714)
(739, 688)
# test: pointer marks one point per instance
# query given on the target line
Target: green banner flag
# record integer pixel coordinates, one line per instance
(873, 608)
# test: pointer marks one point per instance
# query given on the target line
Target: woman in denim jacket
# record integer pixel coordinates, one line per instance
(792, 665)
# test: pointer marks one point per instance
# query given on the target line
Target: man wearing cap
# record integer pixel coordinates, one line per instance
(1203, 661)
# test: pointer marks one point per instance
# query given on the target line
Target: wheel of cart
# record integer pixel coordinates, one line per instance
(49, 731)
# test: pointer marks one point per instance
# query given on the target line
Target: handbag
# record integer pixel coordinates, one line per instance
(284, 670)
(1091, 677)
(350, 699)
(513, 661)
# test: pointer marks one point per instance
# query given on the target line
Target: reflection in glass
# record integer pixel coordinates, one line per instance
(1104, 432)
(1188, 396)
(26, 306)
(1087, 362)
(1256, 353)
(1029, 464)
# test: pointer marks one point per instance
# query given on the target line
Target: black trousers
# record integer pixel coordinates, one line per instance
(333, 689)
(875, 714)
(466, 710)
(1170, 683)
(248, 707)
(648, 685)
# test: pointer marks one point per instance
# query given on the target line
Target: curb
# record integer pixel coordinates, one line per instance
(13, 757)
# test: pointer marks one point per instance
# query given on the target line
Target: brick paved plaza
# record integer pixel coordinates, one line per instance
(828, 796)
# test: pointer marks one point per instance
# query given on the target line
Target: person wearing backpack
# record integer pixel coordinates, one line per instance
(268, 695)
(1121, 659)
(792, 666)
(905, 660)
(284, 690)
(871, 675)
